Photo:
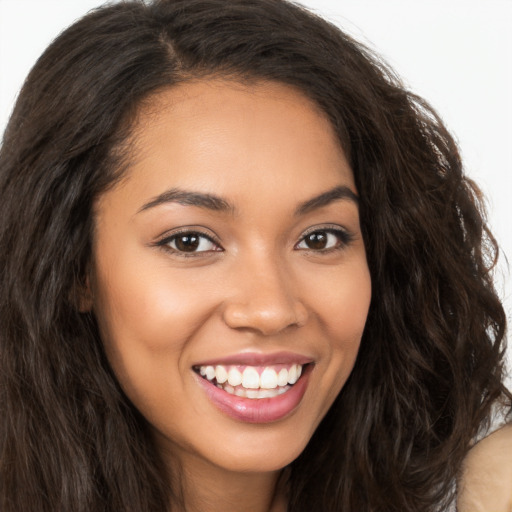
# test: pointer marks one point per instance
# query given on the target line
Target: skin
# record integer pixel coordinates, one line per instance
(486, 481)
(265, 150)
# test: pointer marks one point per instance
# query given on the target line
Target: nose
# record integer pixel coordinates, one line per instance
(265, 300)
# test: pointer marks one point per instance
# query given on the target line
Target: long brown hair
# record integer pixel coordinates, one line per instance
(430, 363)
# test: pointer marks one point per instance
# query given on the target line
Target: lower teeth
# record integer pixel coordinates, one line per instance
(253, 393)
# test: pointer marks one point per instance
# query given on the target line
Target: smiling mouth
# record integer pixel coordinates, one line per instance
(253, 382)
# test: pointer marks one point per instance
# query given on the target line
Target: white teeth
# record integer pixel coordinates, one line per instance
(234, 377)
(268, 379)
(210, 372)
(292, 374)
(221, 375)
(232, 380)
(282, 378)
(255, 393)
(251, 378)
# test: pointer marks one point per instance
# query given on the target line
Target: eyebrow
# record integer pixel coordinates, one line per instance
(184, 197)
(218, 204)
(339, 193)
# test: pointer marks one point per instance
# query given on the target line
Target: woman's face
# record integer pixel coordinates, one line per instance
(227, 262)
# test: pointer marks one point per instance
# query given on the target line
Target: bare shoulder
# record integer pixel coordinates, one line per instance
(486, 481)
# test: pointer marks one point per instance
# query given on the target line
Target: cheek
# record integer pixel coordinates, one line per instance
(149, 305)
(341, 297)
(146, 318)
(342, 311)
(145, 324)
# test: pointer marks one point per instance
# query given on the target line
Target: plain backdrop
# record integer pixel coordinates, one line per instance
(455, 53)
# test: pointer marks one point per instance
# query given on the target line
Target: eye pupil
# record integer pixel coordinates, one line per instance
(187, 243)
(317, 240)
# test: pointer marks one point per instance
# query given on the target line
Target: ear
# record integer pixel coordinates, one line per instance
(81, 295)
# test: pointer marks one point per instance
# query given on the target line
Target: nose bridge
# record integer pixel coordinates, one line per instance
(265, 295)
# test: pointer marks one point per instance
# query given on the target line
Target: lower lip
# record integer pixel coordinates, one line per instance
(257, 410)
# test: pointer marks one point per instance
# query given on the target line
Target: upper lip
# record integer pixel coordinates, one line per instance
(258, 359)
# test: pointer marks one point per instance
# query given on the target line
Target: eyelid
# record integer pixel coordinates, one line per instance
(164, 240)
(345, 236)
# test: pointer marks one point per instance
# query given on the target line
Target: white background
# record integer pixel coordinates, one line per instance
(455, 53)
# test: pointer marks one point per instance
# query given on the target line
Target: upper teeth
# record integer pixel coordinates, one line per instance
(252, 377)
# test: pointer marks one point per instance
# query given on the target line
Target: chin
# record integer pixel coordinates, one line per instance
(267, 452)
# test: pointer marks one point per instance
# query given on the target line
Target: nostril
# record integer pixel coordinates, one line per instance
(265, 318)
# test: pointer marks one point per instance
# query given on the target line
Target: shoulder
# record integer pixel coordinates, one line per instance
(486, 481)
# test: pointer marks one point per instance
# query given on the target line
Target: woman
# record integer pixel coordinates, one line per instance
(241, 269)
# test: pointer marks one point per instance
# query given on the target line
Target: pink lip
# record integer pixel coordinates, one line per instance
(255, 359)
(263, 410)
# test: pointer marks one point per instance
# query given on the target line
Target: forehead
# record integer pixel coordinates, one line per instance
(221, 136)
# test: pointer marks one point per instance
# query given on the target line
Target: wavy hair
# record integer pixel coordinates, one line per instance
(430, 363)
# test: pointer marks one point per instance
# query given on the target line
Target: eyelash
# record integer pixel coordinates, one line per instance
(344, 239)
(165, 242)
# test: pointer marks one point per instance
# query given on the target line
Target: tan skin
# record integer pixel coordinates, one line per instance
(257, 281)
(486, 481)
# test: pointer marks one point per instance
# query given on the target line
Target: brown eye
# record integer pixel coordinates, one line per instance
(324, 240)
(316, 241)
(187, 243)
(190, 242)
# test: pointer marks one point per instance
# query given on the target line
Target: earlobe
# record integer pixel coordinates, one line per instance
(82, 296)
(85, 301)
